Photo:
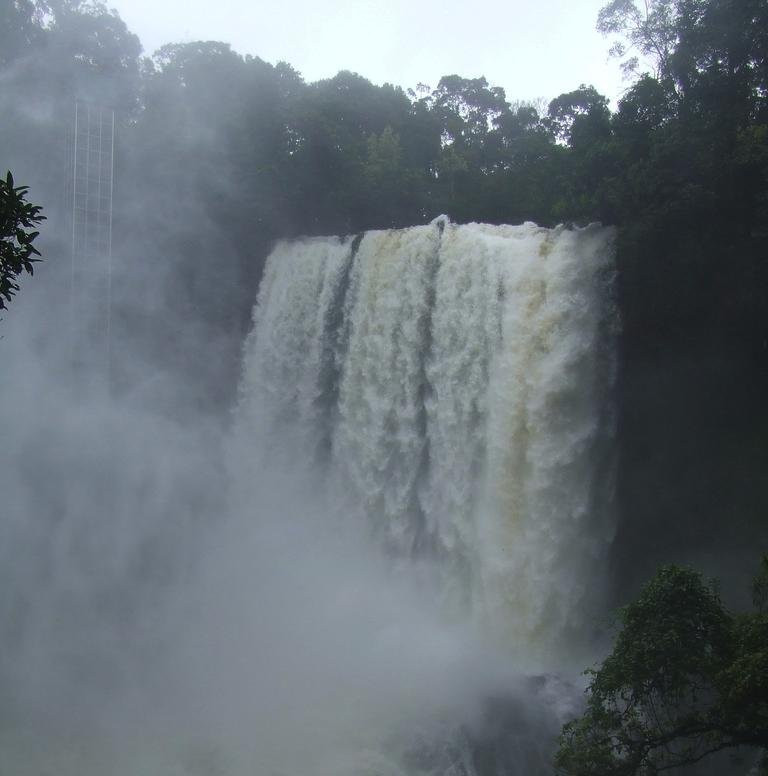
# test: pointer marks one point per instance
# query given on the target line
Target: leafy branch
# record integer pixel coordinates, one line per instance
(18, 218)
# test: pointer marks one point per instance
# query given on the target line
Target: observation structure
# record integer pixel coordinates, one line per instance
(91, 141)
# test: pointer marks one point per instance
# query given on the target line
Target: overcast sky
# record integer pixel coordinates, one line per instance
(535, 49)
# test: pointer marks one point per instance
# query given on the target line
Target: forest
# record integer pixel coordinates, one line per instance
(219, 155)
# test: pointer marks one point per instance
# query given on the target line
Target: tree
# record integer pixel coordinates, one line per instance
(17, 218)
(686, 678)
(710, 53)
(20, 28)
(646, 29)
(580, 116)
(91, 51)
(468, 109)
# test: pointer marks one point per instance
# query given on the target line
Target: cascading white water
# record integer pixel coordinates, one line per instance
(372, 573)
(453, 384)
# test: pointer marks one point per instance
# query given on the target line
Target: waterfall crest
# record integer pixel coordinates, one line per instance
(453, 384)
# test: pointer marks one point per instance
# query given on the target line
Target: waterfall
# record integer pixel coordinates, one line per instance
(451, 384)
(384, 565)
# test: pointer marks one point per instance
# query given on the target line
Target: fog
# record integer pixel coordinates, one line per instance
(173, 608)
(181, 592)
(183, 597)
(179, 598)
(367, 527)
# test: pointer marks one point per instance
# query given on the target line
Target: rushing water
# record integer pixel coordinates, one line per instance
(454, 382)
(389, 567)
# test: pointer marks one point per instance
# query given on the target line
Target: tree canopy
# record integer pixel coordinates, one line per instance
(686, 679)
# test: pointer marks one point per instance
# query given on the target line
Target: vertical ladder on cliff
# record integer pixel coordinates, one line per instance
(92, 153)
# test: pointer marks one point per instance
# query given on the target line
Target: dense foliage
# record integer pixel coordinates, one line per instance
(686, 679)
(18, 217)
(261, 153)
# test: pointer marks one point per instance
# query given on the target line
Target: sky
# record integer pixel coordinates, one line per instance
(535, 50)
